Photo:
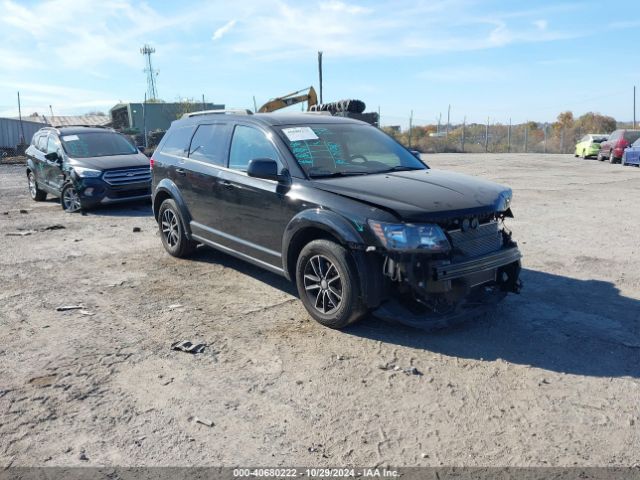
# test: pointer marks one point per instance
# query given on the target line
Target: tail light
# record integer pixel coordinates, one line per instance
(151, 162)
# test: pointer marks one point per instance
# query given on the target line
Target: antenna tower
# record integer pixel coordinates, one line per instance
(152, 92)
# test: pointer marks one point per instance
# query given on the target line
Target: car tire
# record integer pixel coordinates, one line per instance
(70, 199)
(327, 268)
(584, 154)
(172, 230)
(599, 157)
(36, 194)
(612, 159)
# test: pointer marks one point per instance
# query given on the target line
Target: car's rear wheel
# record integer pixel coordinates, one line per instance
(172, 230)
(328, 285)
(36, 194)
(584, 154)
(70, 199)
(600, 158)
(612, 158)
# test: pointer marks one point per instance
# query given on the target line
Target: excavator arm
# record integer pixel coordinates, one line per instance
(291, 99)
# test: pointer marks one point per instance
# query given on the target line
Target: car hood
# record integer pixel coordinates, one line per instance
(422, 195)
(114, 161)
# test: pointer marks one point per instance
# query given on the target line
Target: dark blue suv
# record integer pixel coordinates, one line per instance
(356, 220)
(85, 167)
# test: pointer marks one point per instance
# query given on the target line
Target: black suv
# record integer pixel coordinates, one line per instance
(356, 220)
(85, 167)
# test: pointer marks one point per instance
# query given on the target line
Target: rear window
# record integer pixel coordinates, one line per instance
(631, 136)
(599, 139)
(177, 141)
(96, 144)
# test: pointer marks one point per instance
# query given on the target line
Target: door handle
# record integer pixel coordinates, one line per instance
(180, 171)
(227, 184)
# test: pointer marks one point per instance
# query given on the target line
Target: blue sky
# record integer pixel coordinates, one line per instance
(497, 59)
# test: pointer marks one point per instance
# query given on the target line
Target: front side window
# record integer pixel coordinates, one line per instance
(248, 144)
(208, 143)
(96, 144)
(42, 142)
(346, 149)
(52, 144)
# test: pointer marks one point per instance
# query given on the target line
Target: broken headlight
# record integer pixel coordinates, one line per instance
(408, 236)
(86, 172)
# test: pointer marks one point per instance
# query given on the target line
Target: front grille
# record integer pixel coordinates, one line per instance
(126, 176)
(473, 242)
(130, 193)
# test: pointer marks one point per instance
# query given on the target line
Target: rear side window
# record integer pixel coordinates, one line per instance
(615, 135)
(631, 136)
(177, 141)
(209, 142)
(249, 144)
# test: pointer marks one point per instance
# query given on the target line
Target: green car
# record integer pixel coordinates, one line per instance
(589, 145)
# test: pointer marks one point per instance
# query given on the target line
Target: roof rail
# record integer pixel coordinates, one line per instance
(237, 111)
(82, 125)
(319, 112)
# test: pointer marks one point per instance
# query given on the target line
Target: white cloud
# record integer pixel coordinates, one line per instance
(337, 6)
(541, 24)
(223, 30)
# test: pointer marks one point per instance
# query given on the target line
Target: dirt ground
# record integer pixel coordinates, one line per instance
(552, 378)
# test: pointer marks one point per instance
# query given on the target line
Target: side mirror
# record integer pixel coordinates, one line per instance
(416, 154)
(141, 148)
(263, 168)
(53, 157)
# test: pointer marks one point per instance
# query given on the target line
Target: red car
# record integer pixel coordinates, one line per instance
(613, 148)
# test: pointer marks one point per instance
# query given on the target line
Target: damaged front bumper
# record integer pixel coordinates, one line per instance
(433, 294)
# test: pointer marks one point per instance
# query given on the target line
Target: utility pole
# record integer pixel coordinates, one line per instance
(144, 120)
(379, 117)
(545, 138)
(486, 137)
(152, 93)
(634, 107)
(439, 119)
(320, 73)
(203, 107)
(410, 127)
(526, 135)
(20, 117)
(51, 110)
(255, 106)
(509, 137)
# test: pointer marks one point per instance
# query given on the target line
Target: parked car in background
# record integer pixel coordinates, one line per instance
(344, 211)
(589, 145)
(613, 148)
(85, 167)
(631, 154)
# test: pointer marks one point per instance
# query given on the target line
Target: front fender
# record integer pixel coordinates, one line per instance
(167, 189)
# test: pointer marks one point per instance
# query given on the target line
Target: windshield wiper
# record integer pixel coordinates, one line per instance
(400, 168)
(337, 174)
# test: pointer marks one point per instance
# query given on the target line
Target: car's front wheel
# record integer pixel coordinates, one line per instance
(600, 158)
(70, 199)
(36, 194)
(172, 230)
(328, 285)
(612, 158)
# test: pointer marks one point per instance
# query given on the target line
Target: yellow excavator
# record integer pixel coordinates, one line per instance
(291, 99)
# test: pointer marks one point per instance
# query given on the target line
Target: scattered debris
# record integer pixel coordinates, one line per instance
(83, 456)
(117, 284)
(5, 213)
(186, 346)
(136, 229)
(19, 234)
(53, 227)
(22, 210)
(87, 313)
(396, 368)
(65, 308)
(202, 421)
(174, 306)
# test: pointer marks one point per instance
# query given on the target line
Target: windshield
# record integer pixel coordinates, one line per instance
(96, 144)
(346, 149)
(599, 139)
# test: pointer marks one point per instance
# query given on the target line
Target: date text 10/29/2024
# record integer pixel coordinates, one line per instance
(314, 473)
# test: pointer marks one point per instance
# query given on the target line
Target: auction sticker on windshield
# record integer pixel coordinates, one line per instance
(295, 134)
(70, 138)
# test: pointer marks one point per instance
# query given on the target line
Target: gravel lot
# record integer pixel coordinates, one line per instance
(552, 378)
